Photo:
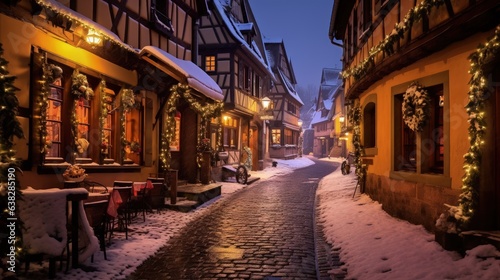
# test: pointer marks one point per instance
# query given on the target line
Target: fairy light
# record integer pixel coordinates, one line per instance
(387, 44)
(11, 128)
(87, 25)
(478, 93)
(206, 112)
(103, 112)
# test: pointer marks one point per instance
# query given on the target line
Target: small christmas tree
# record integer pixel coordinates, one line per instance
(9, 167)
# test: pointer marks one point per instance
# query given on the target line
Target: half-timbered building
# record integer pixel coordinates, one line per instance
(232, 52)
(321, 122)
(422, 77)
(112, 86)
(285, 103)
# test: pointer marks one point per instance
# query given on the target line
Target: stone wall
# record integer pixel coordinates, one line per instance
(417, 203)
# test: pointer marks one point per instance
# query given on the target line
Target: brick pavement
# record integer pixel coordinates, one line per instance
(265, 231)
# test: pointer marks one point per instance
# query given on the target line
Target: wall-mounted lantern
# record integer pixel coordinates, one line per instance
(93, 38)
(299, 123)
(266, 102)
(342, 119)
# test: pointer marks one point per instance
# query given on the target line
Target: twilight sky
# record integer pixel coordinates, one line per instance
(303, 25)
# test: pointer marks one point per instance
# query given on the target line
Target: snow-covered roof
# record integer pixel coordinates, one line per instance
(234, 28)
(318, 118)
(290, 87)
(246, 26)
(330, 76)
(328, 104)
(273, 40)
(59, 8)
(195, 77)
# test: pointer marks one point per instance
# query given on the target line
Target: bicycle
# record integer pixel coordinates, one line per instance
(346, 164)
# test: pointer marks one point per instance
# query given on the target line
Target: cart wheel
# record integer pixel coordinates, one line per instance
(241, 175)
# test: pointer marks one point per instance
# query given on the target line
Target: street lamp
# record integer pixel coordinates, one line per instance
(300, 122)
(342, 119)
(266, 102)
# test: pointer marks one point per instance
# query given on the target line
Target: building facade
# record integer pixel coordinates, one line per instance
(422, 81)
(232, 52)
(95, 79)
(321, 123)
(285, 125)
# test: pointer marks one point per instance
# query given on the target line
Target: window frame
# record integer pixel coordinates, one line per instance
(210, 62)
(276, 136)
(49, 164)
(421, 174)
(370, 134)
(156, 14)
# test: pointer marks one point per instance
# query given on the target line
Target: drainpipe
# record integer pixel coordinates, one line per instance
(194, 47)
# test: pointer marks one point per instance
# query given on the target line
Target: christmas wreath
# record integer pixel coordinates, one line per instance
(415, 107)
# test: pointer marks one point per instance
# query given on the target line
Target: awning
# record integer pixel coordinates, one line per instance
(183, 71)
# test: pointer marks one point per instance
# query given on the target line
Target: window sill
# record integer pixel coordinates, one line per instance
(428, 179)
(370, 152)
(106, 168)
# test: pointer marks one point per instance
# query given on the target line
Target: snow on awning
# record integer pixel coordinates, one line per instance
(183, 71)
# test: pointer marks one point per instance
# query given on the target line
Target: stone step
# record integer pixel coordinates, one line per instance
(190, 196)
(182, 204)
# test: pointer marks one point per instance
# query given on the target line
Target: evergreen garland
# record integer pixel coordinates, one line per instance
(417, 13)
(355, 117)
(479, 92)
(9, 183)
(206, 112)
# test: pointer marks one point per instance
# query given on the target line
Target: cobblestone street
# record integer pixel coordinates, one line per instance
(264, 232)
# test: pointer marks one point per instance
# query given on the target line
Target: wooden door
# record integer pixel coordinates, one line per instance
(254, 145)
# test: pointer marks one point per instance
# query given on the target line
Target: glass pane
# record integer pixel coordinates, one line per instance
(53, 150)
(55, 93)
(54, 110)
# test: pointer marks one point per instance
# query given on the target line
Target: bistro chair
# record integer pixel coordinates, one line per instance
(93, 186)
(96, 213)
(157, 196)
(124, 188)
(141, 201)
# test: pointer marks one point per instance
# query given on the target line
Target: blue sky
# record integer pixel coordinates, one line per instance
(303, 26)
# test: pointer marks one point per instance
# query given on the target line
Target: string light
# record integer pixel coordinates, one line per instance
(72, 18)
(415, 14)
(206, 112)
(468, 201)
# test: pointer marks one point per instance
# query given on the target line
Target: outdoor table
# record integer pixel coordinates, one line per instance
(44, 215)
(138, 186)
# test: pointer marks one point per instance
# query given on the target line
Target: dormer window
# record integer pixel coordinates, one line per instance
(159, 18)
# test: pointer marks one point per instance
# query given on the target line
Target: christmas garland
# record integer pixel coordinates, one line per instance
(354, 115)
(10, 186)
(128, 99)
(206, 112)
(80, 86)
(128, 103)
(43, 103)
(414, 15)
(478, 93)
(415, 107)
